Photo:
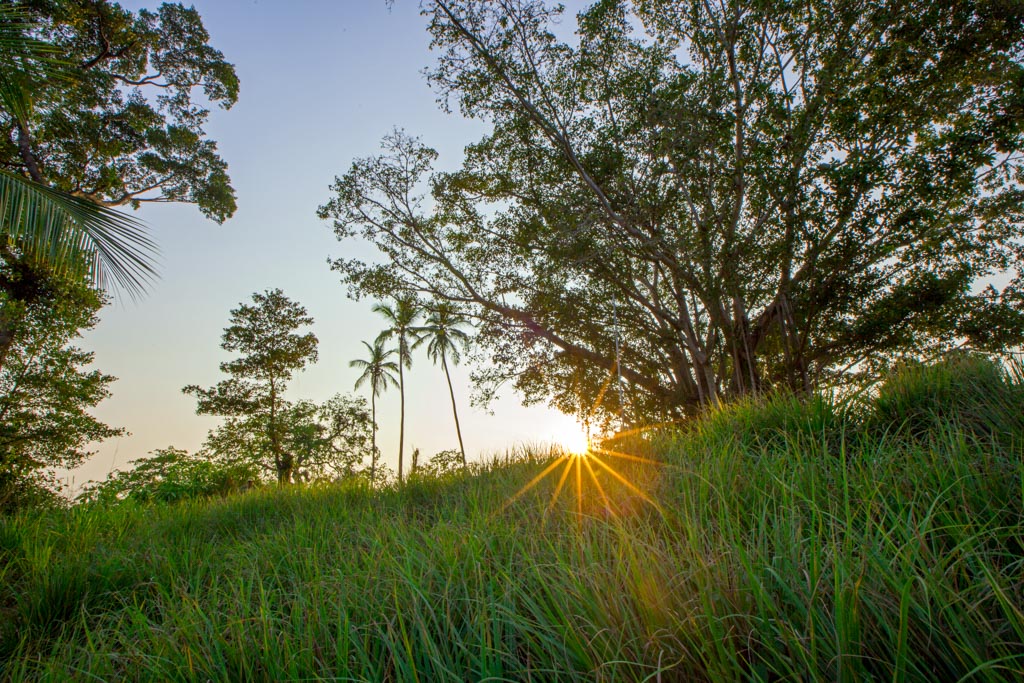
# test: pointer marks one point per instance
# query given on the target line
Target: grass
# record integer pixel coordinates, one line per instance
(879, 540)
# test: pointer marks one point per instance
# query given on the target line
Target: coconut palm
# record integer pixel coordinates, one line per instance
(445, 340)
(401, 318)
(380, 373)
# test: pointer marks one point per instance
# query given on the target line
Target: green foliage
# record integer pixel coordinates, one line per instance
(441, 464)
(169, 475)
(267, 335)
(71, 235)
(892, 559)
(712, 200)
(46, 392)
(126, 127)
(771, 421)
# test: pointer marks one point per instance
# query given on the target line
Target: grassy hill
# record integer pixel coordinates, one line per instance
(878, 538)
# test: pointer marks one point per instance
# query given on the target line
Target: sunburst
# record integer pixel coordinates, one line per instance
(575, 464)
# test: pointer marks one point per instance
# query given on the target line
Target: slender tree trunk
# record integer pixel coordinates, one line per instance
(373, 437)
(401, 423)
(455, 412)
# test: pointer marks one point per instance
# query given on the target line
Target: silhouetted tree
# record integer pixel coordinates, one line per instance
(380, 373)
(45, 232)
(710, 199)
(402, 318)
(266, 333)
(445, 340)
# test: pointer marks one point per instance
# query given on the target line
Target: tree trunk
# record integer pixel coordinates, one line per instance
(401, 423)
(455, 412)
(373, 437)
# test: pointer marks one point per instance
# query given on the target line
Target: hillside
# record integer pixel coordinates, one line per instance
(873, 538)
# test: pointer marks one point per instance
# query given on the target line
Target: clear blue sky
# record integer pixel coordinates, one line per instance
(321, 83)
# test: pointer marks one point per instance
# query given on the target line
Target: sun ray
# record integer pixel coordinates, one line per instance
(533, 482)
(579, 487)
(600, 394)
(600, 489)
(625, 456)
(645, 428)
(626, 482)
(561, 484)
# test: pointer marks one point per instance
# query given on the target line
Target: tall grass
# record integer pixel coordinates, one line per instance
(791, 541)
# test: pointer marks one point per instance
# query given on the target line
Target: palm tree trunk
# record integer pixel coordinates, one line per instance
(401, 423)
(373, 437)
(455, 412)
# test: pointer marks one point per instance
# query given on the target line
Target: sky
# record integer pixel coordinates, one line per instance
(321, 83)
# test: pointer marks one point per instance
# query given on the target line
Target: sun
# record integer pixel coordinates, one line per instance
(579, 458)
(574, 440)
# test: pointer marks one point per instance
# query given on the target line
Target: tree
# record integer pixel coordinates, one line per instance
(97, 110)
(126, 128)
(42, 229)
(401, 317)
(45, 395)
(768, 194)
(380, 373)
(72, 235)
(266, 333)
(326, 441)
(444, 339)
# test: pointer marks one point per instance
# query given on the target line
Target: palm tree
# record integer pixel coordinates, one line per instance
(444, 339)
(380, 373)
(400, 317)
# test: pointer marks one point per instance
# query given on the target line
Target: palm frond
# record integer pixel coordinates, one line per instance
(75, 236)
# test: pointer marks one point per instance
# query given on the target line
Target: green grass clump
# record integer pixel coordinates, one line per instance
(791, 541)
(977, 395)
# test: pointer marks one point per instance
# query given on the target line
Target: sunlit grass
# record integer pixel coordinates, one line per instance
(790, 542)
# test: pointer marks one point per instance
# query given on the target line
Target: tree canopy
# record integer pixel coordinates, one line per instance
(72, 236)
(127, 127)
(709, 199)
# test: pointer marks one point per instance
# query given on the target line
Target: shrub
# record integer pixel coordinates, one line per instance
(972, 392)
(171, 474)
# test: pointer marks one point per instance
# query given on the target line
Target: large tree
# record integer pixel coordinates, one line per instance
(98, 109)
(268, 335)
(46, 392)
(710, 199)
(72, 236)
(127, 128)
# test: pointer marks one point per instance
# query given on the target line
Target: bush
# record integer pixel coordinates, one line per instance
(171, 474)
(769, 422)
(974, 393)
